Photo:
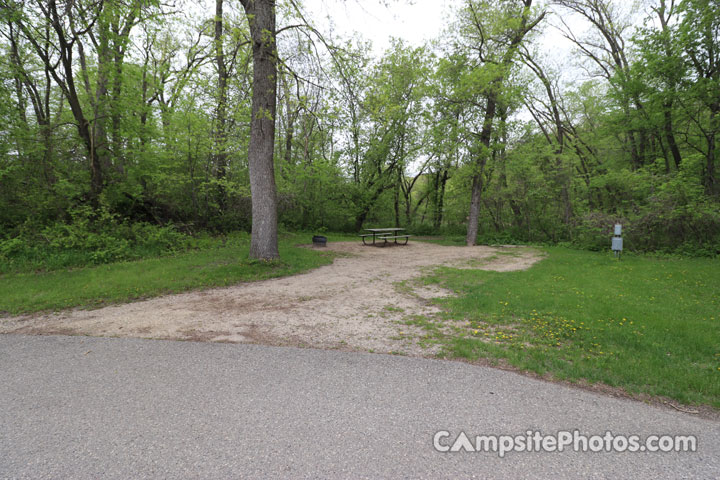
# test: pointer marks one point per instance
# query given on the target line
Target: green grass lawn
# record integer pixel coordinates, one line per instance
(648, 325)
(221, 262)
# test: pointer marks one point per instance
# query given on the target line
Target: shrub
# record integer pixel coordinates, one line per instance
(90, 237)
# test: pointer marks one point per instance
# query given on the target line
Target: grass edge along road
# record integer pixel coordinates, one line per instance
(220, 265)
(646, 325)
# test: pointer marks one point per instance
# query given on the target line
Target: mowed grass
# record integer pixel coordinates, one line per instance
(647, 325)
(224, 263)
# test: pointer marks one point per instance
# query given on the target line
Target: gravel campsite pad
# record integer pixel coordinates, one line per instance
(359, 302)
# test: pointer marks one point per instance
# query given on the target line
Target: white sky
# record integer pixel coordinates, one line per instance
(412, 20)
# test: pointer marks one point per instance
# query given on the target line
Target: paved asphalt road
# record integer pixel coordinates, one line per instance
(80, 407)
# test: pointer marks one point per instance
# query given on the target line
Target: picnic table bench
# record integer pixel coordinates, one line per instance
(384, 234)
(395, 237)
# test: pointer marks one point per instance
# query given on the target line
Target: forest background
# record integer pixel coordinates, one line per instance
(126, 126)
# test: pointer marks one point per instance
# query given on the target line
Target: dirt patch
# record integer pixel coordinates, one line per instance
(359, 302)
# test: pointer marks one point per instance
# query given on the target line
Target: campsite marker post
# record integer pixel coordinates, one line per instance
(617, 241)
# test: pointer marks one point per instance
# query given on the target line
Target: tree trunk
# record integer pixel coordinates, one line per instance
(120, 40)
(83, 125)
(289, 133)
(485, 136)
(360, 219)
(669, 135)
(440, 199)
(101, 103)
(263, 240)
(711, 183)
(397, 200)
(221, 120)
(474, 216)
(480, 161)
(17, 77)
(116, 111)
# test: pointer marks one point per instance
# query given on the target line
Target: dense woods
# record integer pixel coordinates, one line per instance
(132, 124)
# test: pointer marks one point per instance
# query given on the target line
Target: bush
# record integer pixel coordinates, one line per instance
(90, 237)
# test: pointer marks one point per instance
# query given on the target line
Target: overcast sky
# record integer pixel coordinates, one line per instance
(414, 21)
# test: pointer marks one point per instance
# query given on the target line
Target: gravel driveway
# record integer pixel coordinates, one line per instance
(358, 303)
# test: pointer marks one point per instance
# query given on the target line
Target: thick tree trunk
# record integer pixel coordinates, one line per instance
(477, 180)
(474, 216)
(360, 218)
(263, 241)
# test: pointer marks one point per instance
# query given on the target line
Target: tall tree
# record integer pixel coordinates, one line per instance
(264, 236)
(58, 57)
(220, 133)
(699, 34)
(607, 49)
(662, 63)
(546, 114)
(498, 30)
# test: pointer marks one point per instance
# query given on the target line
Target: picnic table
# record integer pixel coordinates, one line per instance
(384, 234)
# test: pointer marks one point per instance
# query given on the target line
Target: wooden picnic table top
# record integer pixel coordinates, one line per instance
(375, 230)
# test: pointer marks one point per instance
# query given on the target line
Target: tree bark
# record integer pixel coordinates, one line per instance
(711, 182)
(664, 15)
(474, 216)
(102, 98)
(67, 84)
(481, 160)
(221, 155)
(263, 240)
(669, 135)
(440, 200)
(397, 199)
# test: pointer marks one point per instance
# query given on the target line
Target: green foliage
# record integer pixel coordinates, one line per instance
(668, 214)
(360, 140)
(91, 237)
